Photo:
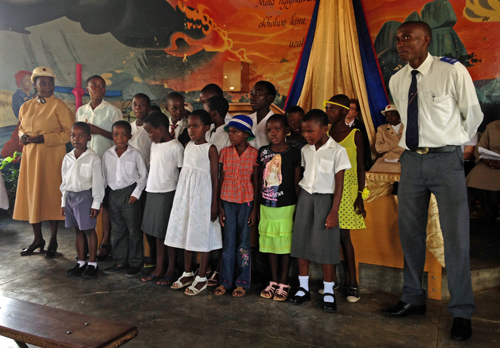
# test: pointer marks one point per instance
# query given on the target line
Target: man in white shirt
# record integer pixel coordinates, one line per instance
(126, 174)
(261, 98)
(439, 109)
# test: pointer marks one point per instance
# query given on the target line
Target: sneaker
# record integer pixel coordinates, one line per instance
(149, 263)
(76, 270)
(133, 271)
(352, 294)
(91, 272)
(115, 269)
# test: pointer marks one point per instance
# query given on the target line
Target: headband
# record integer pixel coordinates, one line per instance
(330, 102)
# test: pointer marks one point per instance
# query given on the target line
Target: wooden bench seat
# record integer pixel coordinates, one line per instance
(44, 326)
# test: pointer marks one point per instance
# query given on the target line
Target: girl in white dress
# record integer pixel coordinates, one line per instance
(193, 224)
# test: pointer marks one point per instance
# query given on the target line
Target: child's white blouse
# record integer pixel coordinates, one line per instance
(320, 166)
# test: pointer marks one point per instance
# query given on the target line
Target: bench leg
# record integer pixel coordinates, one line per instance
(21, 344)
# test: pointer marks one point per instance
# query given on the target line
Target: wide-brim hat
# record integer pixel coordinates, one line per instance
(390, 107)
(42, 71)
(243, 123)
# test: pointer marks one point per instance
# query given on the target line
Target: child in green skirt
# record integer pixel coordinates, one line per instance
(279, 183)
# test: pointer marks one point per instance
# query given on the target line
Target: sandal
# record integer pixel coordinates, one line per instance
(220, 290)
(239, 292)
(192, 290)
(281, 293)
(178, 284)
(213, 280)
(150, 278)
(269, 291)
(165, 281)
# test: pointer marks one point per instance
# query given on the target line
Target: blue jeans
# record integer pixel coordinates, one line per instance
(236, 245)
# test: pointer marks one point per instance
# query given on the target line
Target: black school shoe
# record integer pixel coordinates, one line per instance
(461, 329)
(91, 272)
(76, 270)
(133, 271)
(300, 299)
(330, 307)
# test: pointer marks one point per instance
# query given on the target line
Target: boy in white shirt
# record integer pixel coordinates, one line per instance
(126, 174)
(316, 234)
(213, 90)
(82, 191)
(217, 107)
(99, 114)
(261, 97)
(141, 106)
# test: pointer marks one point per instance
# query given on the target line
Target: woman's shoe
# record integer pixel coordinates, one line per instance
(103, 257)
(51, 251)
(29, 250)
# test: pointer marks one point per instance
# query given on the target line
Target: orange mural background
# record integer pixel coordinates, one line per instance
(243, 30)
(478, 37)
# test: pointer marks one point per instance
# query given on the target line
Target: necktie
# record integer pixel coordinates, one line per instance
(412, 122)
(172, 130)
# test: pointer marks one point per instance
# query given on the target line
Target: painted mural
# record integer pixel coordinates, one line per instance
(152, 47)
(467, 30)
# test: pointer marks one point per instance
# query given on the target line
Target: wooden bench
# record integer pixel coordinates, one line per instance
(44, 326)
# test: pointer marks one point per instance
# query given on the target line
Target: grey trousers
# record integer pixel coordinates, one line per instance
(441, 174)
(126, 234)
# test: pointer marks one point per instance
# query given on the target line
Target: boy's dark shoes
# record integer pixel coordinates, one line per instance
(403, 309)
(352, 294)
(133, 271)
(461, 329)
(91, 272)
(115, 269)
(330, 307)
(76, 270)
(301, 299)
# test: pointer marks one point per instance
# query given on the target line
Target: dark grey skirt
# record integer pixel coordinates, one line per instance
(157, 213)
(311, 240)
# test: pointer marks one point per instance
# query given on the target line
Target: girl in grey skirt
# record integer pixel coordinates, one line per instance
(316, 235)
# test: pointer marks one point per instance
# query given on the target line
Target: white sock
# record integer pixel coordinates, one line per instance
(93, 264)
(81, 263)
(304, 283)
(328, 289)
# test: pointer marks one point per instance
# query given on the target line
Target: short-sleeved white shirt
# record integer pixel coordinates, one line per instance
(320, 166)
(220, 138)
(140, 140)
(103, 116)
(260, 130)
(166, 159)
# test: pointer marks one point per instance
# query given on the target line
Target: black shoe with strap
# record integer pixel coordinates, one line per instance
(29, 250)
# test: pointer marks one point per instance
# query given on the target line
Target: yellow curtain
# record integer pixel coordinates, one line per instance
(335, 65)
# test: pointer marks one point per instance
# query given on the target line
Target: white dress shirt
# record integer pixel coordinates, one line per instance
(219, 138)
(123, 171)
(320, 166)
(260, 130)
(448, 108)
(228, 118)
(81, 174)
(166, 159)
(140, 141)
(103, 116)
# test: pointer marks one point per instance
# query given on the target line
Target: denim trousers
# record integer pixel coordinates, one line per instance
(235, 268)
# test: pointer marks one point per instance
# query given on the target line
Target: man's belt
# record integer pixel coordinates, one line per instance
(447, 148)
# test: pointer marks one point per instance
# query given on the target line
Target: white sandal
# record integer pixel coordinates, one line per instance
(192, 290)
(178, 284)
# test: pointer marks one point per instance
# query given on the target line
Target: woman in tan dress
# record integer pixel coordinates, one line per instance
(484, 179)
(44, 131)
